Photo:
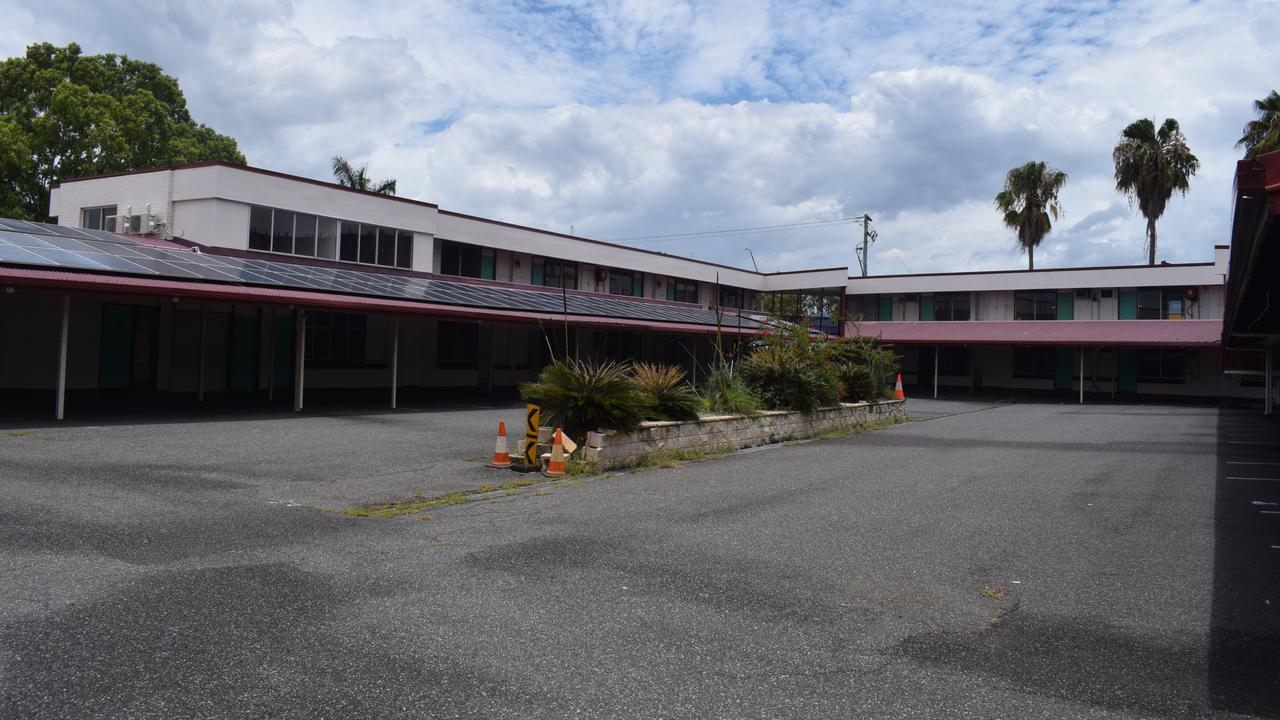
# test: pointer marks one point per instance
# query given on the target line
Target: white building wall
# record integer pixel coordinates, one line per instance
(136, 190)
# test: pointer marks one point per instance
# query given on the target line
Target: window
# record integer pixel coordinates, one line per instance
(259, 228)
(685, 291)
(96, 218)
(1035, 362)
(560, 273)
(1035, 305)
(1162, 365)
(731, 297)
(625, 282)
(336, 339)
(458, 259)
(1161, 303)
(457, 345)
(951, 306)
(283, 231)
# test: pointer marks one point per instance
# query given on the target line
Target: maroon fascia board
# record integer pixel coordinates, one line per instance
(1171, 333)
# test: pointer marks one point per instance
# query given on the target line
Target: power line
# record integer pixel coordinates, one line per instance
(738, 231)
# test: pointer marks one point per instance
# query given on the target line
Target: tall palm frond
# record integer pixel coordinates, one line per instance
(1262, 135)
(1029, 204)
(358, 178)
(1150, 166)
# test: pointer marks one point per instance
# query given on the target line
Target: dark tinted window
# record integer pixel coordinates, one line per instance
(282, 232)
(304, 235)
(260, 228)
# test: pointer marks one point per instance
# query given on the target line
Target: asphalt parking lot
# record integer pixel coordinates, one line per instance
(1020, 560)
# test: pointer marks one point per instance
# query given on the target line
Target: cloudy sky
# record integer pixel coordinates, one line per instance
(641, 118)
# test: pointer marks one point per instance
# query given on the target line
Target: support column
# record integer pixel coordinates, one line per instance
(1081, 376)
(299, 356)
(270, 314)
(395, 358)
(62, 356)
(200, 363)
(1266, 404)
(935, 372)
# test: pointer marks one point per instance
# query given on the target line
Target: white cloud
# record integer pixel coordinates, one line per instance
(631, 117)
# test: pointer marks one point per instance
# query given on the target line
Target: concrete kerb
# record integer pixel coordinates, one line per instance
(707, 434)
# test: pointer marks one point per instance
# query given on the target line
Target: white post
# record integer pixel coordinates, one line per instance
(395, 358)
(299, 357)
(935, 372)
(200, 363)
(271, 354)
(62, 356)
(1081, 376)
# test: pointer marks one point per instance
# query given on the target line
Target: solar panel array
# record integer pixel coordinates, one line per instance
(43, 245)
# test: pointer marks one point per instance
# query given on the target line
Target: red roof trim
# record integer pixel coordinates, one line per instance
(65, 280)
(1118, 333)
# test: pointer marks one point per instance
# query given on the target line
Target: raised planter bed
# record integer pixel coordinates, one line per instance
(732, 432)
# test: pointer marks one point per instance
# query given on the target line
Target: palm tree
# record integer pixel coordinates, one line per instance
(1150, 165)
(349, 176)
(1029, 198)
(1262, 135)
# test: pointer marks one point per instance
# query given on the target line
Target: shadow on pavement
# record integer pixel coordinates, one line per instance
(1244, 642)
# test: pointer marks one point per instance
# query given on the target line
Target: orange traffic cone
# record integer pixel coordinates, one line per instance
(555, 466)
(500, 448)
(897, 389)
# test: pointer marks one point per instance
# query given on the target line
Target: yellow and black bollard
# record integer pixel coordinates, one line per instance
(533, 415)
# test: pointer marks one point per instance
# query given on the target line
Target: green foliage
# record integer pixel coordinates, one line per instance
(856, 384)
(725, 392)
(1028, 200)
(791, 372)
(880, 361)
(1150, 166)
(672, 397)
(345, 174)
(1262, 135)
(583, 395)
(64, 115)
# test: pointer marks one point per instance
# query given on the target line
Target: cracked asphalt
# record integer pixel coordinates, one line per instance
(1020, 561)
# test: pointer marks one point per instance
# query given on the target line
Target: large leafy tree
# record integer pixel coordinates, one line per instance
(64, 115)
(349, 176)
(1262, 135)
(1150, 165)
(1029, 203)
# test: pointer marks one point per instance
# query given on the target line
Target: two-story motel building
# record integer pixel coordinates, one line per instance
(214, 280)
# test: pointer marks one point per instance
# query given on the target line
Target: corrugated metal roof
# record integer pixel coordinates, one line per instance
(1180, 333)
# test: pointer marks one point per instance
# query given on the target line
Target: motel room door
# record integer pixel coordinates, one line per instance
(127, 348)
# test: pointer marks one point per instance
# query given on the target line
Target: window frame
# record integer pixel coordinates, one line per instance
(344, 236)
(1040, 300)
(950, 298)
(101, 215)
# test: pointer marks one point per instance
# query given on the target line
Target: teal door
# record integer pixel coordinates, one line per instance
(282, 351)
(1129, 305)
(1066, 306)
(926, 306)
(1127, 369)
(244, 352)
(127, 347)
(885, 308)
(1065, 362)
(484, 358)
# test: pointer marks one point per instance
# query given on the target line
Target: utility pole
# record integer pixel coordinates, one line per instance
(868, 236)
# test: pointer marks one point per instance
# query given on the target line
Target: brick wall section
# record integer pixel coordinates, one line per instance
(717, 433)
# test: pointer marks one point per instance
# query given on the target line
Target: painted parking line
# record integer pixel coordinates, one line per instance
(1253, 462)
(1237, 477)
(1252, 442)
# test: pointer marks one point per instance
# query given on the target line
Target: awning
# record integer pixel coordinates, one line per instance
(1176, 333)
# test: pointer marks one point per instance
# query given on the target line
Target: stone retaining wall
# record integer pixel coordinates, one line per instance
(732, 432)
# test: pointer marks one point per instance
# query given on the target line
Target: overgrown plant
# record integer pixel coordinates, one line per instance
(791, 371)
(583, 395)
(672, 397)
(879, 361)
(726, 393)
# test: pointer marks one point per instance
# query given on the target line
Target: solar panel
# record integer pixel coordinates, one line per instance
(40, 244)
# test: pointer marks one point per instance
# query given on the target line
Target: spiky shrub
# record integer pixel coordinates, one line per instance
(879, 360)
(672, 397)
(856, 384)
(789, 372)
(583, 395)
(726, 393)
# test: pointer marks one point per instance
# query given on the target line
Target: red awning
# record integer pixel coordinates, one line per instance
(100, 282)
(1179, 333)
